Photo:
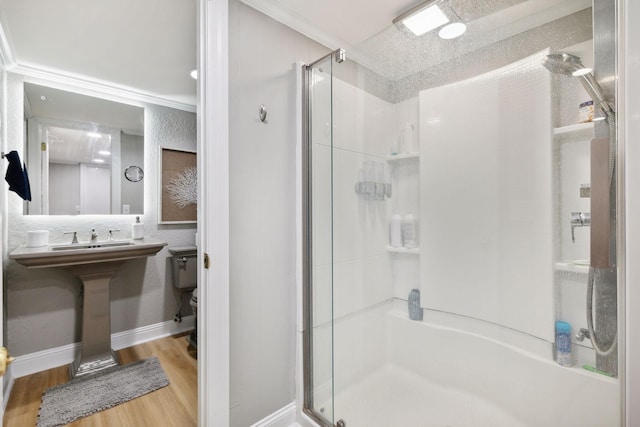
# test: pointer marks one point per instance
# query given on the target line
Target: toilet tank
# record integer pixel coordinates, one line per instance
(184, 265)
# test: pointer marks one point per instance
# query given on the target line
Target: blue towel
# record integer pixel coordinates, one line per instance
(17, 176)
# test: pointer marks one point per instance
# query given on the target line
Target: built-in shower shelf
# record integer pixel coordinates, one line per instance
(414, 251)
(407, 156)
(572, 267)
(580, 129)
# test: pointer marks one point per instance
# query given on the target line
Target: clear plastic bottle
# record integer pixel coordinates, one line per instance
(563, 343)
(409, 232)
(415, 311)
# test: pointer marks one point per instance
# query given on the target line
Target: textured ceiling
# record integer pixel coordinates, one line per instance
(396, 53)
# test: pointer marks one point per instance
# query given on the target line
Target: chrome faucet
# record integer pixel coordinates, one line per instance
(579, 219)
(75, 236)
(94, 236)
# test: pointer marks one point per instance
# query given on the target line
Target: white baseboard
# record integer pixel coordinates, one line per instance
(283, 417)
(51, 358)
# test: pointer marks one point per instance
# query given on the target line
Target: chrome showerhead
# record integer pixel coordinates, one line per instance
(570, 65)
(562, 63)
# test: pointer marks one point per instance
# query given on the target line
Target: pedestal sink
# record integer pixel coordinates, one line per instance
(95, 264)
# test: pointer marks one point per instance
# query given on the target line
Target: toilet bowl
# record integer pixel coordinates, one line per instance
(185, 278)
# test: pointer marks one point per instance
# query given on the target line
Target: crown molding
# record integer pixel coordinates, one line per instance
(274, 10)
(7, 58)
(79, 83)
(94, 87)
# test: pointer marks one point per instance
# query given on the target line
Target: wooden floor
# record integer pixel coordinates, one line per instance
(175, 405)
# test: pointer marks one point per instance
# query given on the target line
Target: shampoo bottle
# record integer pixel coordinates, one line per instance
(137, 229)
(563, 343)
(395, 231)
(409, 232)
(406, 139)
(415, 311)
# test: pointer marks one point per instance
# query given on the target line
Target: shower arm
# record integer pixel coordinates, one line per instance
(595, 92)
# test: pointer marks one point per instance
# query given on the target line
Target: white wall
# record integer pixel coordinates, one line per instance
(262, 211)
(43, 306)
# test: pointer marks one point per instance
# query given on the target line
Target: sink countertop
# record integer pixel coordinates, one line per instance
(45, 256)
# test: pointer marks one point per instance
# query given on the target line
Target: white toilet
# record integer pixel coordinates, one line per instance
(185, 278)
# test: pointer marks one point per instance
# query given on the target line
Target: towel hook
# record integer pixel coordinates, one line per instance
(263, 113)
(3, 155)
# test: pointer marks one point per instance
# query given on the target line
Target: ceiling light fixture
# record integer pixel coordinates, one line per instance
(194, 74)
(453, 30)
(98, 161)
(423, 18)
(94, 135)
(104, 152)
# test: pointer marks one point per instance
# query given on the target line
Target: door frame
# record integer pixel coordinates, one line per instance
(213, 213)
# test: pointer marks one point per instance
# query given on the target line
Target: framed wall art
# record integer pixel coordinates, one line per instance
(178, 198)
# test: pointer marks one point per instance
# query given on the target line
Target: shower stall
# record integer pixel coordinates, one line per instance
(461, 218)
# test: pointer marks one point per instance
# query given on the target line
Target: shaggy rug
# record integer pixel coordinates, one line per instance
(93, 393)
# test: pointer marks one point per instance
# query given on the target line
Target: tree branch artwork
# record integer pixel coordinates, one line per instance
(183, 188)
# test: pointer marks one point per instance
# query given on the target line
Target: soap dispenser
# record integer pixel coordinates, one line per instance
(137, 229)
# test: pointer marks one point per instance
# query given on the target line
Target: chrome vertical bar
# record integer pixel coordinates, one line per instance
(605, 289)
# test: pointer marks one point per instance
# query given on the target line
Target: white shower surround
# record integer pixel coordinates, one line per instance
(374, 343)
(437, 373)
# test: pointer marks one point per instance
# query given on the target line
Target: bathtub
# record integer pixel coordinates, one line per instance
(410, 373)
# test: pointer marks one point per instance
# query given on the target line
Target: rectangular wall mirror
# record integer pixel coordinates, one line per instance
(85, 155)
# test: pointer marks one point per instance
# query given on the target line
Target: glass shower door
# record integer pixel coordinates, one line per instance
(318, 336)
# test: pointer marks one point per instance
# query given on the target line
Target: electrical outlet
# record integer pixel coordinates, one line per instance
(125, 209)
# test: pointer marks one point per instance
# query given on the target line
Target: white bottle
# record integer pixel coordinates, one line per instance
(395, 149)
(409, 232)
(395, 231)
(406, 139)
(137, 229)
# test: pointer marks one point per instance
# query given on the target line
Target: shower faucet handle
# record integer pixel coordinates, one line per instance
(582, 334)
(579, 219)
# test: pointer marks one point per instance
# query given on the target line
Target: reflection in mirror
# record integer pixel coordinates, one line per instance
(78, 148)
(134, 173)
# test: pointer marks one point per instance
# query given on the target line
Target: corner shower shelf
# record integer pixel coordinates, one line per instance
(579, 129)
(571, 267)
(406, 156)
(415, 251)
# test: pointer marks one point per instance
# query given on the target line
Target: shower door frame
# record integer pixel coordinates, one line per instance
(336, 56)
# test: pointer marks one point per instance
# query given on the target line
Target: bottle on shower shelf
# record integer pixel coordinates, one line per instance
(415, 311)
(409, 232)
(563, 343)
(407, 145)
(395, 231)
